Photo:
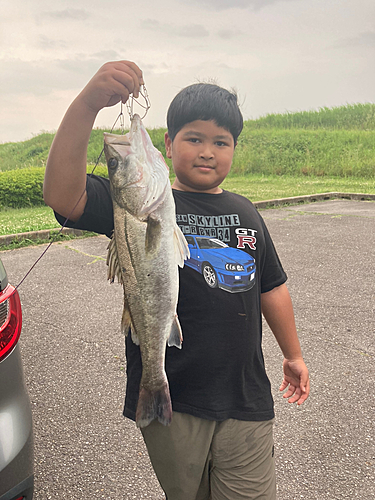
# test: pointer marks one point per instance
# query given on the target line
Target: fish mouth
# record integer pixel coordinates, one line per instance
(117, 145)
(124, 140)
(135, 126)
(136, 120)
(116, 139)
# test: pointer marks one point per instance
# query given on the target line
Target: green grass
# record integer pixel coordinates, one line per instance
(256, 187)
(277, 156)
(22, 220)
(300, 152)
(328, 142)
(34, 152)
(31, 153)
(349, 117)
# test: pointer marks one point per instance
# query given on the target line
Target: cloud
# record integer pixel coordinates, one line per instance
(188, 30)
(228, 34)
(363, 40)
(83, 62)
(48, 43)
(284, 54)
(241, 4)
(41, 78)
(67, 14)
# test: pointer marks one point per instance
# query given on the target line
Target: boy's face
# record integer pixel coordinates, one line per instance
(201, 154)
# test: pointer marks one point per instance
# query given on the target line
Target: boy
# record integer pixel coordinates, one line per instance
(219, 445)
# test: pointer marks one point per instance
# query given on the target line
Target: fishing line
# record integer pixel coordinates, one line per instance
(120, 118)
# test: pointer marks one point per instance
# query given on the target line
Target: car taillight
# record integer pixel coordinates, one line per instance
(10, 320)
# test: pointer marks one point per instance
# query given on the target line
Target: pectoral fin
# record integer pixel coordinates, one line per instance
(153, 235)
(181, 248)
(175, 337)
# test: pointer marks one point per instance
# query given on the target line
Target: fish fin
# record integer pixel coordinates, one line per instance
(114, 269)
(154, 404)
(134, 335)
(127, 325)
(175, 337)
(159, 184)
(153, 235)
(181, 248)
(126, 321)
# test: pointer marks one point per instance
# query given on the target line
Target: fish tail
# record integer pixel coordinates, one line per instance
(154, 404)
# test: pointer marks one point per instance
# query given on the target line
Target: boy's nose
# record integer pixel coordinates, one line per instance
(206, 153)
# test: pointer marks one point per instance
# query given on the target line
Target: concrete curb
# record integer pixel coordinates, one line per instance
(294, 200)
(311, 198)
(38, 235)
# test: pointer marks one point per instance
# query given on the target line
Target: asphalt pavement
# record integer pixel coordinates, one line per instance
(73, 354)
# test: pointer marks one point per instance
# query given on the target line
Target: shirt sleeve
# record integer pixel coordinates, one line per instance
(98, 213)
(273, 274)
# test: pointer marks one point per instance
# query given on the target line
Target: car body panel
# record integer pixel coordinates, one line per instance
(24, 490)
(3, 277)
(16, 430)
(221, 266)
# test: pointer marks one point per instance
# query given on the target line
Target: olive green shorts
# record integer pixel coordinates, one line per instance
(197, 459)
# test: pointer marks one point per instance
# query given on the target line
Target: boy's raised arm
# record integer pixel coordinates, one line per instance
(278, 311)
(65, 177)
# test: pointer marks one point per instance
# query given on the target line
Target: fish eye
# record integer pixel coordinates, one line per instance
(112, 163)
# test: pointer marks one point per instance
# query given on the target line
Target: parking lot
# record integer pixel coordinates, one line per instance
(73, 355)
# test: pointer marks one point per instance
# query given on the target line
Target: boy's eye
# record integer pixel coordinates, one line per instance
(221, 143)
(193, 139)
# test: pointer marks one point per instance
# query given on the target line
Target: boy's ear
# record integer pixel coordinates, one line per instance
(168, 145)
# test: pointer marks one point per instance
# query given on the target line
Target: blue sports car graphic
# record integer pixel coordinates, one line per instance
(221, 266)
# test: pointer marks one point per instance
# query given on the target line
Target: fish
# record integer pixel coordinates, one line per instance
(144, 253)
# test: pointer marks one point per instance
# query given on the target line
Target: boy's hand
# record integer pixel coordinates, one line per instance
(114, 82)
(296, 376)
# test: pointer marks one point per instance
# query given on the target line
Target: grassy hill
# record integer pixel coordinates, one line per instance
(349, 117)
(328, 142)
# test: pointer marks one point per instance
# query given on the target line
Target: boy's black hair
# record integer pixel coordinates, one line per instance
(205, 101)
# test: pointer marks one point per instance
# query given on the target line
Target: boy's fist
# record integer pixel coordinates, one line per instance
(114, 82)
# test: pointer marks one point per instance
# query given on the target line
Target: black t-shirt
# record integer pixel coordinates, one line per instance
(219, 373)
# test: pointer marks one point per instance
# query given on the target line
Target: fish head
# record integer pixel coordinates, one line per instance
(126, 172)
(137, 171)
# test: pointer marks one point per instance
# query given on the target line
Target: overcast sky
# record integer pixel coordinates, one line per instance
(280, 55)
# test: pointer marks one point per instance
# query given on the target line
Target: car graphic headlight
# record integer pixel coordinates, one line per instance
(234, 267)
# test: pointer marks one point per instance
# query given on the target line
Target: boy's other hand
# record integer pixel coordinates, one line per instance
(296, 379)
(114, 82)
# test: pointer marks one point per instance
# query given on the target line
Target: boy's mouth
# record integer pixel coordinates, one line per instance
(204, 167)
